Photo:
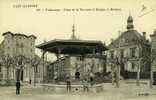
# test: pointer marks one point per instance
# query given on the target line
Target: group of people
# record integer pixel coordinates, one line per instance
(85, 84)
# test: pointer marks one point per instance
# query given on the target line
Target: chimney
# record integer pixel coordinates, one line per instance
(144, 35)
(154, 31)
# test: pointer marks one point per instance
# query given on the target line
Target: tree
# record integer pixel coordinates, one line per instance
(7, 61)
(19, 62)
(147, 57)
(35, 61)
(115, 68)
(144, 56)
(152, 59)
(118, 64)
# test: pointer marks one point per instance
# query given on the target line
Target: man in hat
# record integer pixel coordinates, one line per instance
(18, 84)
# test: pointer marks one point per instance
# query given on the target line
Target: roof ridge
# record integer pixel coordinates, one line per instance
(19, 34)
(130, 34)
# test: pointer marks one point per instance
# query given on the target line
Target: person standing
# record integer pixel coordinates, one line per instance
(68, 84)
(18, 84)
(30, 81)
(91, 79)
(85, 85)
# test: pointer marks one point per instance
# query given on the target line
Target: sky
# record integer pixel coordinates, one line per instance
(89, 25)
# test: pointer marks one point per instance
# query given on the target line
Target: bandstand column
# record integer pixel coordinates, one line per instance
(59, 62)
(92, 69)
(93, 60)
(43, 58)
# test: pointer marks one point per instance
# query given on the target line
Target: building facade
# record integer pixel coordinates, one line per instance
(130, 50)
(153, 53)
(16, 50)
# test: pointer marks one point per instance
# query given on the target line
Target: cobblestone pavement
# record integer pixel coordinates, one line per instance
(127, 91)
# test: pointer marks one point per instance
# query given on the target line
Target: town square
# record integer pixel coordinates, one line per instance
(103, 54)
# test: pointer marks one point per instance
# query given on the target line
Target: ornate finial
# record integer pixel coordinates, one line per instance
(130, 25)
(73, 30)
(73, 37)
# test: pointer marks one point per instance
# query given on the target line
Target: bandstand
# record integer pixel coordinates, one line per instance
(76, 59)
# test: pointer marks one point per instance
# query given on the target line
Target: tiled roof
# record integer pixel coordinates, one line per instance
(130, 37)
(72, 46)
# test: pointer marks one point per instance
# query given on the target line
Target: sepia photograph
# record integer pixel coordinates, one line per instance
(77, 50)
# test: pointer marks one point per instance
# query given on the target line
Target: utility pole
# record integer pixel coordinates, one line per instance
(43, 59)
(118, 63)
(118, 74)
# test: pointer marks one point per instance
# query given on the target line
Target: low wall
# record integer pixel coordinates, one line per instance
(74, 88)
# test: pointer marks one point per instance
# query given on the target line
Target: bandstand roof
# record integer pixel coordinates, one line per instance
(72, 46)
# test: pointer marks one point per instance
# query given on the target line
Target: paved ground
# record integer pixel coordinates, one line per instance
(127, 91)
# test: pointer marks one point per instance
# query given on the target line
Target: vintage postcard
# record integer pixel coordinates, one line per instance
(77, 49)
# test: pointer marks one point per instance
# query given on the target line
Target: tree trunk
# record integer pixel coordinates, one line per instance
(43, 80)
(151, 78)
(7, 77)
(118, 77)
(34, 77)
(138, 75)
(113, 74)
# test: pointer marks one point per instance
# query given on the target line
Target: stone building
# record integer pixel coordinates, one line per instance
(131, 50)
(153, 53)
(16, 51)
